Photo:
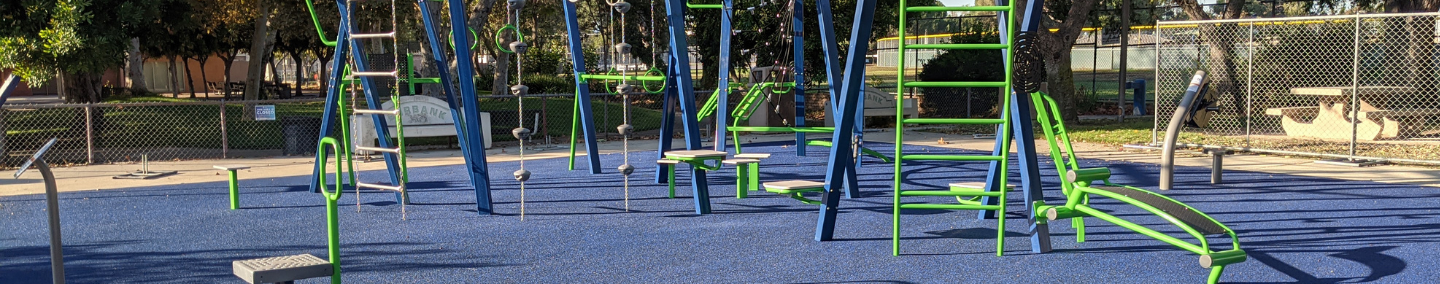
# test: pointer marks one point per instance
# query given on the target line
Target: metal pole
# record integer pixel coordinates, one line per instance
(1355, 89)
(1124, 54)
(89, 135)
(52, 201)
(1250, 85)
(225, 134)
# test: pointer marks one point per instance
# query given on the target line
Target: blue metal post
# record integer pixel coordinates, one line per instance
(1025, 143)
(470, 109)
(722, 105)
(582, 87)
(479, 179)
(680, 59)
(826, 21)
(840, 153)
(667, 123)
(992, 176)
(10, 83)
(332, 96)
(797, 24)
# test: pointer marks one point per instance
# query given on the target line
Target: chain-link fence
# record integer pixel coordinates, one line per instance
(124, 132)
(1293, 85)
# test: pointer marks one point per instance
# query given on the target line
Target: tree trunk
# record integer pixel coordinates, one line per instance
(255, 75)
(174, 79)
(1055, 47)
(82, 87)
(189, 77)
(325, 73)
(479, 17)
(299, 73)
(204, 80)
(229, 61)
(135, 67)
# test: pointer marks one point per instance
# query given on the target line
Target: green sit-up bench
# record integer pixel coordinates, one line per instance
(1080, 185)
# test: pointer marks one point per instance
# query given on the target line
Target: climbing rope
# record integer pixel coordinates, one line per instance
(621, 49)
(518, 47)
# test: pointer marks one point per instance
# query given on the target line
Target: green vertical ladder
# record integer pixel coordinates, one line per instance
(374, 109)
(1002, 149)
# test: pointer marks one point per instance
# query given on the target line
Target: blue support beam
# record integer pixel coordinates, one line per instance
(831, 49)
(582, 87)
(470, 137)
(1025, 142)
(992, 177)
(722, 105)
(667, 122)
(841, 159)
(797, 25)
(675, 21)
(11, 82)
(470, 109)
(331, 114)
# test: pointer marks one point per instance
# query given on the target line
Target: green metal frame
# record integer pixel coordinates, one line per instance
(1000, 158)
(1078, 193)
(332, 214)
(234, 190)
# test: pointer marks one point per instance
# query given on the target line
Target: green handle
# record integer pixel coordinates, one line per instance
(332, 222)
(518, 37)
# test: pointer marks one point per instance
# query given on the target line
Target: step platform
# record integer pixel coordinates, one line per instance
(282, 269)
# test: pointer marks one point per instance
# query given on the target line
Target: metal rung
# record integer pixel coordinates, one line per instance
(378, 149)
(949, 206)
(956, 8)
(952, 121)
(377, 111)
(958, 46)
(380, 35)
(949, 158)
(380, 186)
(375, 74)
(953, 85)
(948, 193)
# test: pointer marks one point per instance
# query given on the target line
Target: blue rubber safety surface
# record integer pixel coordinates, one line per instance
(1297, 229)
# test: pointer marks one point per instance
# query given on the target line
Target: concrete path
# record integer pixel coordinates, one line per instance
(98, 177)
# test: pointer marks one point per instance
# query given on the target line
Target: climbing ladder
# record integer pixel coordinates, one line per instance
(394, 154)
(999, 159)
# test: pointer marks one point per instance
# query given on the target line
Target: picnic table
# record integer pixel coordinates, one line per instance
(1385, 112)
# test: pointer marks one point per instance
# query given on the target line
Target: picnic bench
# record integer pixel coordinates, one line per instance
(423, 116)
(1383, 113)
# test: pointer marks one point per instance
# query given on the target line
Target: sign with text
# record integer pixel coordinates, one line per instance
(265, 112)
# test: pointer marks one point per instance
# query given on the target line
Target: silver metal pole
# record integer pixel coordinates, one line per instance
(1355, 90)
(1250, 85)
(89, 135)
(52, 201)
(224, 134)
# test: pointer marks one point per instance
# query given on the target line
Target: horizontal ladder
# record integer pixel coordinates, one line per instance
(963, 158)
(948, 206)
(953, 84)
(981, 121)
(957, 8)
(958, 46)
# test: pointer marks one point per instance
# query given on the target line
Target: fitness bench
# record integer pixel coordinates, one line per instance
(794, 189)
(1079, 186)
(747, 172)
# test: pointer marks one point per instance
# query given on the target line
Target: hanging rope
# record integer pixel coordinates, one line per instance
(621, 50)
(518, 47)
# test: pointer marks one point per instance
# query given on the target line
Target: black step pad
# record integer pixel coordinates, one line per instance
(1180, 211)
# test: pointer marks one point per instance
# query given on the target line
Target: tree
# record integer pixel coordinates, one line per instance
(79, 39)
(964, 65)
(1066, 18)
(1222, 71)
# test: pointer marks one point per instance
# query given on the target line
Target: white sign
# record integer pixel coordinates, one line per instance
(265, 112)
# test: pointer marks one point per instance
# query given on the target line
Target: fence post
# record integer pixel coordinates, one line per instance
(1250, 83)
(224, 135)
(89, 135)
(1355, 89)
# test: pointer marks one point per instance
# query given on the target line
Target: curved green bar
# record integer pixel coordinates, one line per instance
(867, 151)
(318, 30)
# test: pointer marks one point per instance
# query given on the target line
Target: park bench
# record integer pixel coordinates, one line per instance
(423, 116)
